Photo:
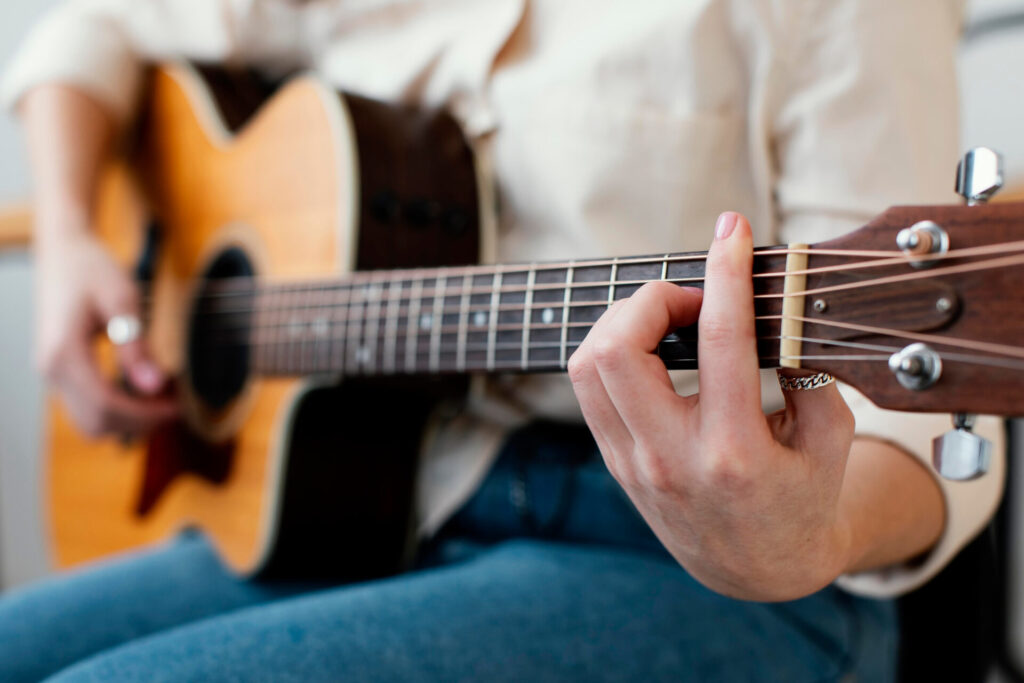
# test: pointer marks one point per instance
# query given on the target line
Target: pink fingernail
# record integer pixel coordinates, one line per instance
(725, 225)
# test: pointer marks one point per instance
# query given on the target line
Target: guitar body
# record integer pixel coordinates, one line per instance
(286, 476)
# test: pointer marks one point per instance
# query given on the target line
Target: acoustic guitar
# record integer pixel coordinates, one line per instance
(309, 266)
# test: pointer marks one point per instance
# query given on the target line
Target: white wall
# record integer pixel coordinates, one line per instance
(22, 548)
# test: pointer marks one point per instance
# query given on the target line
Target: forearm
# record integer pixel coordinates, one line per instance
(891, 508)
(69, 138)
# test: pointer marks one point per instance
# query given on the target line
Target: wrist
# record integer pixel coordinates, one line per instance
(58, 223)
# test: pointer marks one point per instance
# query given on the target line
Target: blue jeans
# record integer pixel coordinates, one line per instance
(547, 574)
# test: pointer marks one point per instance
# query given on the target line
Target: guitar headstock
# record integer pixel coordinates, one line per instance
(932, 322)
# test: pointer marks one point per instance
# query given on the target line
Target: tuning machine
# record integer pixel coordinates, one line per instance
(979, 175)
(960, 454)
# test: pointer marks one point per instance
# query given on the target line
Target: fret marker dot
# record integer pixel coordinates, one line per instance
(479, 318)
(319, 327)
(426, 320)
(362, 355)
(547, 316)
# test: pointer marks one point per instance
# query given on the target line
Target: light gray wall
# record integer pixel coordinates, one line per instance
(22, 549)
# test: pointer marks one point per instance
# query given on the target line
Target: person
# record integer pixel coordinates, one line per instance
(747, 546)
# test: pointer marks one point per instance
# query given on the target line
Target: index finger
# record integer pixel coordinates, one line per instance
(730, 382)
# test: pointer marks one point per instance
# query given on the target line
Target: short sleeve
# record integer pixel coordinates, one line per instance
(83, 44)
(102, 46)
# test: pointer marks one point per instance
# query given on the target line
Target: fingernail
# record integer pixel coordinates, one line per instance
(147, 376)
(725, 225)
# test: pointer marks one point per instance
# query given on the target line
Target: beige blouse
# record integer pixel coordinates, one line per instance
(611, 127)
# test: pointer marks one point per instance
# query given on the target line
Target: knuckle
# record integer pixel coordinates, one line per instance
(650, 290)
(657, 473)
(608, 352)
(726, 472)
(724, 264)
(580, 367)
(653, 465)
(716, 332)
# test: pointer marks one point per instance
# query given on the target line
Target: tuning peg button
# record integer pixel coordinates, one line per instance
(961, 455)
(979, 175)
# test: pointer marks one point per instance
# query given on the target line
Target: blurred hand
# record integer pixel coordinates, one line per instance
(79, 288)
(747, 503)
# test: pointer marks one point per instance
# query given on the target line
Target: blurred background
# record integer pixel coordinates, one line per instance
(993, 109)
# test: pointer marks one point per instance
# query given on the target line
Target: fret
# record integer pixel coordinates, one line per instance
(371, 330)
(255, 333)
(338, 327)
(292, 331)
(527, 314)
(664, 268)
(584, 308)
(280, 330)
(412, 331)
(629, 277)
(492, 323)
(436, 321)
(318, 328)
(546, 309)
(563, 356)
(478, 320)
(511, 318)
(611, 281)
(391, 326)
(450, 321)
(306, 333)
(268, 331)
(464, 301)
(354, 332)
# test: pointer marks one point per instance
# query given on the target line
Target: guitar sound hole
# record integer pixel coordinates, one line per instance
(219, 330)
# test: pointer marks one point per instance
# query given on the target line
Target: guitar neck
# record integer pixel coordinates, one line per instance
(514, 318)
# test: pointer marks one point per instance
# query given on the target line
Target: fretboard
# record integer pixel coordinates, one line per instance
(515, 318)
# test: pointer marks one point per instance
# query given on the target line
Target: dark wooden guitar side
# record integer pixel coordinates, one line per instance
(308, 260)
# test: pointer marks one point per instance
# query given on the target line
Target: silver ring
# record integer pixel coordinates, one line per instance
(123, 329)
(805, 383)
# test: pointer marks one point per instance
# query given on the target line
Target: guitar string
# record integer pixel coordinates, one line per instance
(515, 365)
(987, 347)
(987, 264)
(361, 279)
(575, 344)
(1008, 363)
